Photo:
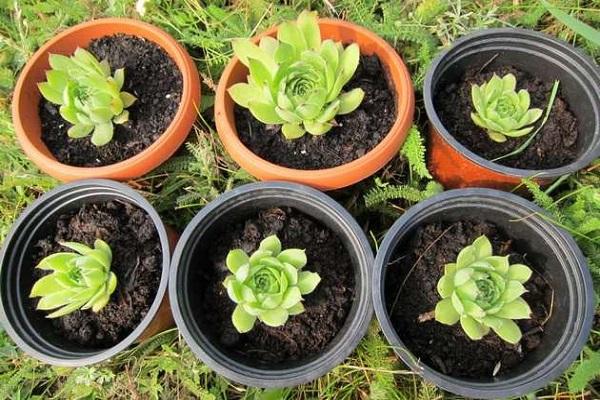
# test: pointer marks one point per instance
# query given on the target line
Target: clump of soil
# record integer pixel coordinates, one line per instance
(356, 134)
(554, 146)
(447, 348)
(150, 75)
(137, 263)
(326, 307)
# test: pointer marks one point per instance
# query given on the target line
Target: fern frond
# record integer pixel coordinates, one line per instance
(586, 371)
(539, 196)
(380, 195)
(414, 152)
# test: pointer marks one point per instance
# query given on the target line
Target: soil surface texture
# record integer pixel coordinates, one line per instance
(555, 145)
(326, 308)
(150, 75)
(137, 263)
(355, 134)
(447, 348)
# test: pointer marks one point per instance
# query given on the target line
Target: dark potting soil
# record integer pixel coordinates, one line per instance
(326, 308)
(150, 75)
(447, 348)
(356, 134)
(554, 146)
(137, 262)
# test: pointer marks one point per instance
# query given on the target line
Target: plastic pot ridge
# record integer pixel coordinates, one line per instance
(233, 207)
(559, 260)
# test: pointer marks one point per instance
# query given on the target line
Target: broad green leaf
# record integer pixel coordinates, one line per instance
(234, 290)
(101, 115)
(242, 93)
(445, 312)
(295, 257)
(121, 118)
(80, 131)
(350, 101)
(289, 33)
(472, 328)
(291, 273)
(499, 263)
(308, 281)
(242, 321)
(103, 134)
(243, 49)
(127, 99)
(272, 244)
(119, 78)
(516, 309)
(54, 300)
(291, 131)
(445, 286)
(317, 128)
(514, 289)
(69, 308)
(519, 272)
(307, 23)
(275, 317)
(265, 113)
(260, 73)
(235, 259)
(507, 329)
(296, 309)
(57, 261)
(330, 112)
(45, 285)
(50, 93)
(60, 62)
(292, 297)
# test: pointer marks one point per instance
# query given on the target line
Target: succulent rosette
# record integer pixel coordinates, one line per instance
(501, 110)
(483, 292)
(90, 97)
(79, 280)
(267, 285)
(296, 80)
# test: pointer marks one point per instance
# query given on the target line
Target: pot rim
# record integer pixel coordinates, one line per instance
(353, 329)
(190, 95)
(89, 187)
(404, 98)
(555, 362)
(533, 37)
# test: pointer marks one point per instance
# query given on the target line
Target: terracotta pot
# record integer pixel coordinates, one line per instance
(27, 96)
(455, 166)
(34, 334)
(343, 175)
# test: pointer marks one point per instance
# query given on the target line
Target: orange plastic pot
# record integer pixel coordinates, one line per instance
(27, 96)
(343, 175)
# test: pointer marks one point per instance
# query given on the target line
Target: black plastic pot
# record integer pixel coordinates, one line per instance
(34, 334)
(564, 266)
(539, 54)
(235, 206)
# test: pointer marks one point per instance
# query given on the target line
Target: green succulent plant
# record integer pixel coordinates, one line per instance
(483, 291)
(79, 280)
(296, 80)
(501, 110)
(267, 285)
(89, 97)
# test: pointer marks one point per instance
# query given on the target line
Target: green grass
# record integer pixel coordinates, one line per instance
(164, 367)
